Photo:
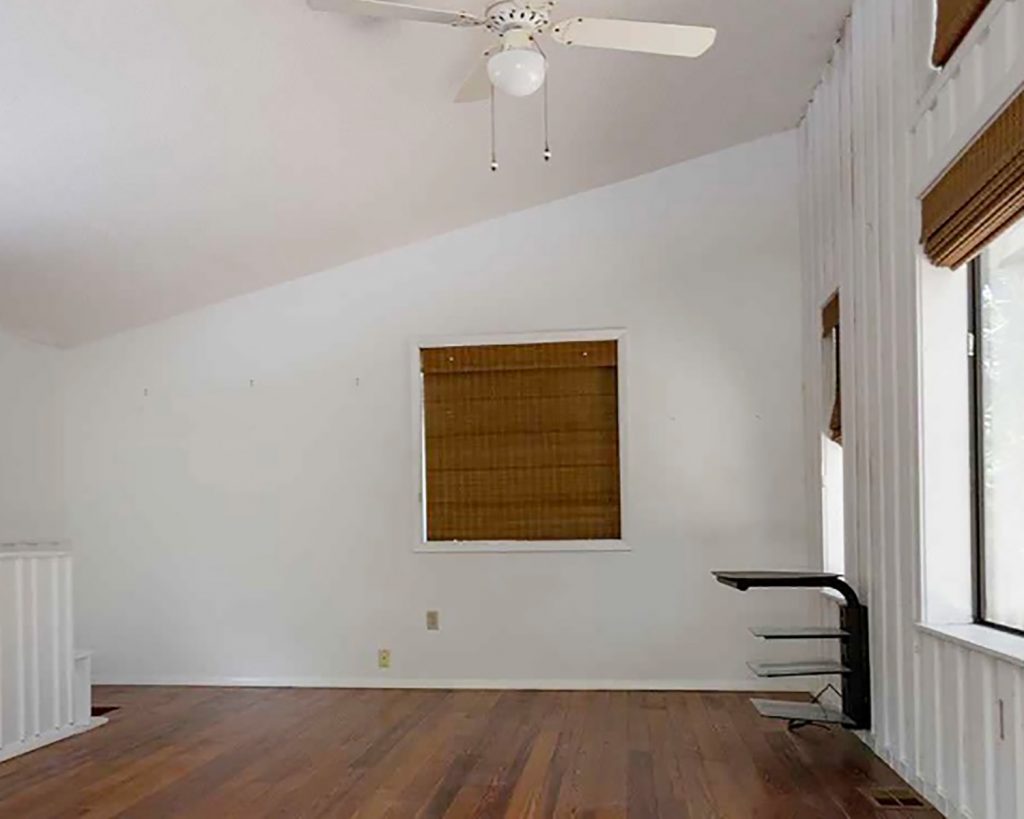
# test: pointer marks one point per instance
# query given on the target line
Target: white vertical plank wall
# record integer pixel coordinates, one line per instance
(37, 662)
(880, 129)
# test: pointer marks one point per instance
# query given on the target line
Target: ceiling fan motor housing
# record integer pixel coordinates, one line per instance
(504, 17)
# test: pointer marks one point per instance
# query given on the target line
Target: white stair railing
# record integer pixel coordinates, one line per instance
(37, 658)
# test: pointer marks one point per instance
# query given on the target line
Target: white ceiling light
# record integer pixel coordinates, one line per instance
(517, 72)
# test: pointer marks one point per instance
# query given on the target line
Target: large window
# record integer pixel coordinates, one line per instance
(997, 337)
(521, 442)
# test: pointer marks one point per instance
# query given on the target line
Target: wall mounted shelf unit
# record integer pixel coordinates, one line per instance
(853, 667)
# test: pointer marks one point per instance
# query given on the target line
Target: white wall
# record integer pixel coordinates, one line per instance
(240, 479)
(31, 430)
(880, 129)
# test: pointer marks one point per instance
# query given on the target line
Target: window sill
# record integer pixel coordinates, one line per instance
(526, 547)
(999, 644)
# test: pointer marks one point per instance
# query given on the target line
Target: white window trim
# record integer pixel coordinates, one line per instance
(424, 546)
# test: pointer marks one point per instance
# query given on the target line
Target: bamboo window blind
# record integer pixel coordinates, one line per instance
(830, 330)
(980, 196)
(953, 20)
(522, 442)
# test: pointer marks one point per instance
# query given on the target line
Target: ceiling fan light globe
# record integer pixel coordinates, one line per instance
(517, 72)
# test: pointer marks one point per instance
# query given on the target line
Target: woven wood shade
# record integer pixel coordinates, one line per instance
(980, 196)
(953, 20)
(830, 316)
(830, 328)
(522, 442)
(835, 420)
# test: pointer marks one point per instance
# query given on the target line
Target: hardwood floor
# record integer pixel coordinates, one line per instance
(202, 752)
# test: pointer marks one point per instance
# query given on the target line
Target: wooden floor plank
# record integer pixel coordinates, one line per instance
(289, 753)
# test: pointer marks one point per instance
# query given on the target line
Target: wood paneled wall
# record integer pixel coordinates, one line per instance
(872, 142)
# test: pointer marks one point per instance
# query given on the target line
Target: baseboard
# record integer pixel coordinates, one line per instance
(35, 743)
(453, 684)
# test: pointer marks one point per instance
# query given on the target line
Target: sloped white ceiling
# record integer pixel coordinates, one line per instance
(158, 155)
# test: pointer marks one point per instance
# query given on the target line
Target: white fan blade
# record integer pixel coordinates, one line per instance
(631, 35)
(397, 11)
(477, 86)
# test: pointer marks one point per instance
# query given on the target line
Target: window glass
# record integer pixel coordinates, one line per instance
(999, 359)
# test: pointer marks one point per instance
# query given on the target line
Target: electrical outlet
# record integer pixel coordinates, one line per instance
(433, 621)
(384, 658)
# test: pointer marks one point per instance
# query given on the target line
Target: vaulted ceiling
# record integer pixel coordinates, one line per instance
(158, 155)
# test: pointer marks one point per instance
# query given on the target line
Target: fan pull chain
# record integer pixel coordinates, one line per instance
(494, 137)
(547, 141)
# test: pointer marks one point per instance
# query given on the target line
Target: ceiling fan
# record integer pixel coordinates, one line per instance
(516, 65)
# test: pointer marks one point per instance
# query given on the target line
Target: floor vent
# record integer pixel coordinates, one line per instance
(896, 799)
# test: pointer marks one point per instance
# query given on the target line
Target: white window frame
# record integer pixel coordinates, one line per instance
(946, 579)
(422, 545)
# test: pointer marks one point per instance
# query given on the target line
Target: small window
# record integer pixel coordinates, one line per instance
(997, 342)
(521, 442)
(832, 496)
